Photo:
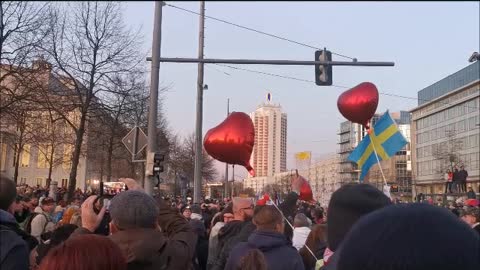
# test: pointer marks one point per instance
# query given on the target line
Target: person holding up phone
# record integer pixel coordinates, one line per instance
(136, 219)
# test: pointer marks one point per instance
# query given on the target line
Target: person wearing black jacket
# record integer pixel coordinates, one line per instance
(462, 178)
(15, 245)
(456, 181)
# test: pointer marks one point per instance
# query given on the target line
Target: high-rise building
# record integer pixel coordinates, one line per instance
(446, 130)
(270, 151)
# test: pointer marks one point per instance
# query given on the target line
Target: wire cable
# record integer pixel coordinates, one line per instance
(333, 85)
(260, 32)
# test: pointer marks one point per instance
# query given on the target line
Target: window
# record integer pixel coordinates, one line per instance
(44, 153)
(39, 181)
(25, 159)
(23, 181)
(65, 182)
(67, 156)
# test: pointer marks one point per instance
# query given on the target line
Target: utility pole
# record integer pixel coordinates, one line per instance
(153, 108)
(226, 164)
(197, 178)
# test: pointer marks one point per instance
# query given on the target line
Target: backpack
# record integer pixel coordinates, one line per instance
(28, 222)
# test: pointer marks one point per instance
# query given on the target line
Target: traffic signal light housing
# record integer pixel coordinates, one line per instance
(323, 73)
(155, 163)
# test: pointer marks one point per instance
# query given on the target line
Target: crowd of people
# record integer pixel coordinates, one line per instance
(456, 180)
(360, 229)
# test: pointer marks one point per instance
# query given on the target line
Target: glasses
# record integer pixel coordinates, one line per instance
(250, 207)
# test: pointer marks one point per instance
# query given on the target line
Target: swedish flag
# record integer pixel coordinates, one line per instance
(385, 138)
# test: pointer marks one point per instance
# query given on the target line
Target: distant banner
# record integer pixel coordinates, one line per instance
(303, 155)
(303, 160)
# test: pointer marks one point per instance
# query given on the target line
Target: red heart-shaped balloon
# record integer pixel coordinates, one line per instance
(232, 141)
(359, 103)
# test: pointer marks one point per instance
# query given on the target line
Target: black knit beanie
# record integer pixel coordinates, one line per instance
(347, 205)
(413, 237)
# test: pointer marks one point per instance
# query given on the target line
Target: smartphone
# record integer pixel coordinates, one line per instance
(110, 189)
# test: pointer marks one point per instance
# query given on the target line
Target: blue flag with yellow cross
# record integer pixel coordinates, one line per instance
(384, 138)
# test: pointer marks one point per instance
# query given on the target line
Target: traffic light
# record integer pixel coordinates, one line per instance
(155, 163)
(323, 73)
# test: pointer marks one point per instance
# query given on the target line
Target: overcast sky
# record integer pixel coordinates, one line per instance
(427, 41)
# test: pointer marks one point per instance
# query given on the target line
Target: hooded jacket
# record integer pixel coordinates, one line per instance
(13, 249)
(278, 253)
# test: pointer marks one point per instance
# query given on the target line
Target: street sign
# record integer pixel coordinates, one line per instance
(135, 141)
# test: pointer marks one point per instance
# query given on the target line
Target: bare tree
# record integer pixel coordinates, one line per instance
(182, 156)
(447, 153)
(87, 44)
(22, 27)
(50, 138)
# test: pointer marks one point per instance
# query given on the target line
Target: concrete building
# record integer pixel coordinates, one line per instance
(446, 131)
(270, 151)
(323, 177)
(350, 135)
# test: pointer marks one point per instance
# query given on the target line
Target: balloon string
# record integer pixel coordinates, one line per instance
(291, 226)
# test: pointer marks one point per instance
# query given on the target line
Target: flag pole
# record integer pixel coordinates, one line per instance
(291, 226)
(376, 155)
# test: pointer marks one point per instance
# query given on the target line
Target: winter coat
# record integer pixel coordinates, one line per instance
(14, 250)
(462, 176)
(278, 253)
(246, 230)
(300, 235)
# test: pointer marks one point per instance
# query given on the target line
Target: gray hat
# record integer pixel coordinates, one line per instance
(133, 209)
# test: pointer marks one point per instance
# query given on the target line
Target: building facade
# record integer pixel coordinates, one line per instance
(323, 177)
(270, 151)
(446, 130)
(350, 135)
(39, 143)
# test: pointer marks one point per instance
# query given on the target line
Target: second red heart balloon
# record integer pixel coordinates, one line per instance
(359, 103)
(232, 141)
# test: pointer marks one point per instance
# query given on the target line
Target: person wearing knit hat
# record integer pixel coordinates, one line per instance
(347, 205)
(133, 209)
(410, 236)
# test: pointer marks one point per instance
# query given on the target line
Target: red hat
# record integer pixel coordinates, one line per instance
(263, 200)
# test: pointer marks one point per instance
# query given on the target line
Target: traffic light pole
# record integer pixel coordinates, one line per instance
(153, 107)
